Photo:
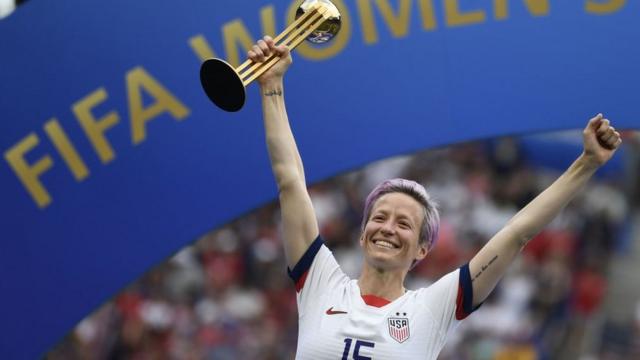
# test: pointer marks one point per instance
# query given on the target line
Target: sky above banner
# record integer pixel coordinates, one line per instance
(113, 157)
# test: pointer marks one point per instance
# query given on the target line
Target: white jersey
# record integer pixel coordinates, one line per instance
(337, 322)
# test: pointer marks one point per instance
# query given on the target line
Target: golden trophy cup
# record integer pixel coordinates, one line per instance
(318, 21)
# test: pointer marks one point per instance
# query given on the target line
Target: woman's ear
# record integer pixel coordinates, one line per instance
(422, 252)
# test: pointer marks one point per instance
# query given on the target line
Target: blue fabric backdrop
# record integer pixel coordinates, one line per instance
(114, 158)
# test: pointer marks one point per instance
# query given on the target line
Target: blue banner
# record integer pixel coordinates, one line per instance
(113, 157)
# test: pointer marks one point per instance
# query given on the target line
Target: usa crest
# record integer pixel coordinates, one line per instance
(399, 329)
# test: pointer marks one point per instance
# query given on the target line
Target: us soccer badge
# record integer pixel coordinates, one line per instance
(399, 328)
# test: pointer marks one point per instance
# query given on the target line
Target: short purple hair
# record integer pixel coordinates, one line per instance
(431, 220)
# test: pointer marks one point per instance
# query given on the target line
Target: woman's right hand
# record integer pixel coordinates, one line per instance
(261, 51)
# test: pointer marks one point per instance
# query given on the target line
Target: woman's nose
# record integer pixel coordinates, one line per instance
(387, 228)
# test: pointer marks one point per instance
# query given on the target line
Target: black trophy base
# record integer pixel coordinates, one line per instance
(222, 85)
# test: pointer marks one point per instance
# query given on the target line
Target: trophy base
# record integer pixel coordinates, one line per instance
(222, 85)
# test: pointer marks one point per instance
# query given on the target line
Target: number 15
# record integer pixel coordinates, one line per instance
(356, 349)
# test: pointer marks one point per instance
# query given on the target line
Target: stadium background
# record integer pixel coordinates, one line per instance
(571, 296)
(227, 296)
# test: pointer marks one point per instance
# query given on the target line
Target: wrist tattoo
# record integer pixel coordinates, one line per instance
(277, 92)
(484, 268)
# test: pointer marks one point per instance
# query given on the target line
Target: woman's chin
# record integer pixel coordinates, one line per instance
(382, 260)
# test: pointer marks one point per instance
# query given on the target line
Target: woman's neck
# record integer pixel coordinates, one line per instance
(385, 284)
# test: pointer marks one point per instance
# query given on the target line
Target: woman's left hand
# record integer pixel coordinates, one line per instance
(600, 140)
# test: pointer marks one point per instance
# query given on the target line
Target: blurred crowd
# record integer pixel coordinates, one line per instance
(228, 296)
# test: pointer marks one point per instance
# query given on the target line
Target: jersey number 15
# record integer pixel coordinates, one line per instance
(356, 349)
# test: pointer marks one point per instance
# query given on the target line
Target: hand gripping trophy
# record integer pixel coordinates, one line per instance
(316, 20)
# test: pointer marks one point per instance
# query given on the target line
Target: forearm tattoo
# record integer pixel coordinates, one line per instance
(277, 92)
(484, 267)
(524, 242)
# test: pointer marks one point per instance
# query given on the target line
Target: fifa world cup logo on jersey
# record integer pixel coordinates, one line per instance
(399, 329)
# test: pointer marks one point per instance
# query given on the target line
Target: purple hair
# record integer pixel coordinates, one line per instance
(431, 219)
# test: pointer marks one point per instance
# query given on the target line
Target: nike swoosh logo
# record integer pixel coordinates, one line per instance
(330, 311)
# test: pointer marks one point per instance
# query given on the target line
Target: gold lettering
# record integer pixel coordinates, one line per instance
(201, 47)
(332, 48)
(66, 149)
(29, 174)
(428, 14)
(608, 7)
(235, 32)
(369, 30)
(457, 18)
(267, 19)
(95, 128)
(535, 7)
(137, 79)
(399, 25)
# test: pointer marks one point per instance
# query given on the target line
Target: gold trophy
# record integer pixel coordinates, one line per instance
(318, 21)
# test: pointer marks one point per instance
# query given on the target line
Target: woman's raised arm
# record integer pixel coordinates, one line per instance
(300, 226)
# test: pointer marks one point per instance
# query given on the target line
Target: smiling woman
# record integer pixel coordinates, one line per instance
(393, 241)
(403, 207)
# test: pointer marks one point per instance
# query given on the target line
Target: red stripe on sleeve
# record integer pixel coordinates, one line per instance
(460, 313)
(300, 282)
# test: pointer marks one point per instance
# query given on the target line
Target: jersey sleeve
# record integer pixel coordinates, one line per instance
(449, 300)
(464, 297)
(316, 274)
